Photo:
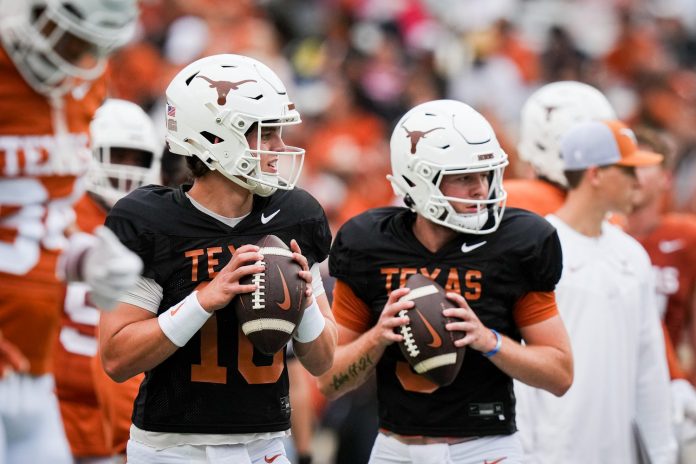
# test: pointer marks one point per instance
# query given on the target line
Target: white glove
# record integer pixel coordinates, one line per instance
(683, 400)
(102, 262)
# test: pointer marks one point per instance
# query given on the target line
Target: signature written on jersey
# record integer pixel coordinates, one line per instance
(465, 282)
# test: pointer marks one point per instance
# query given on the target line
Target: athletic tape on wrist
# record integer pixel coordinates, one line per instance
(311, 325)
(180, 322)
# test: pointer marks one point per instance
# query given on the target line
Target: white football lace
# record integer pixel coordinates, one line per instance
(258, 298)
(408, 337)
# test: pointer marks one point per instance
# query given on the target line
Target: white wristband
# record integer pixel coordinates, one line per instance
(311, 325)
(180, 322)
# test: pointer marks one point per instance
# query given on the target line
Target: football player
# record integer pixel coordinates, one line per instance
(208, 395)
(670, 240)
(500, 269)
(52, 57)
(546, 115)
(606, 297)
(96, 411)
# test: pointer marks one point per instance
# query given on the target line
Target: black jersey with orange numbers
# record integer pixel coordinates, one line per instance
(217, 382)
(374, 254)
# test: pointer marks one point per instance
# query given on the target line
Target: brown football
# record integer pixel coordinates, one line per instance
(268, 316)
(428, 346)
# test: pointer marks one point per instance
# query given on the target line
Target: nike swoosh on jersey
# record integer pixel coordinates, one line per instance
(670, 246)
(437, 341)
(265, 219)
(285, 304)
(495, 461)
(272, 458)
(467, 248)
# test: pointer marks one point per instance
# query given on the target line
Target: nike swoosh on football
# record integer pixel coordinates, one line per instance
(272, 458)
(285, 305)
(467, 248)
(437, 341)
(670, 246)
(265, 219)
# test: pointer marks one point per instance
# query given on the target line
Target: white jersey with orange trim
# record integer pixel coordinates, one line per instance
(607, 302)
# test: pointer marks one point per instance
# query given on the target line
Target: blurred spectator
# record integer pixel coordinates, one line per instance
(349, 143)
(562, 60)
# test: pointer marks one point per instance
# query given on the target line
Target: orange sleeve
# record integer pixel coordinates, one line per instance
(535, 307)
(348, 309)
(675, 370)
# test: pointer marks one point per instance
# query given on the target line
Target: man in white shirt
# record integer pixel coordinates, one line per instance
(606, 299)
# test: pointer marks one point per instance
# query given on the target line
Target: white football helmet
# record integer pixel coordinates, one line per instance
(446, 137)
(57, 44)
(214, 102)
(547, 114)
(120, 124)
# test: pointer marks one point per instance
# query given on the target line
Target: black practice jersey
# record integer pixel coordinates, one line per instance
(375, 252)
(217, 382)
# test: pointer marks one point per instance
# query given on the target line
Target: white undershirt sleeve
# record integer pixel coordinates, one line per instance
(146, 294)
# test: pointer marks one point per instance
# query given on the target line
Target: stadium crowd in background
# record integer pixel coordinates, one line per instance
(356, 65)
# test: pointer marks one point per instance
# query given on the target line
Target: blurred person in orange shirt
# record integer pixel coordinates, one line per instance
(52, 60)
(96, 410)
(670, 240)
(348, 142)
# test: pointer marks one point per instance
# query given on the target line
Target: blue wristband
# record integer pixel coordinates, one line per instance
(498, 343)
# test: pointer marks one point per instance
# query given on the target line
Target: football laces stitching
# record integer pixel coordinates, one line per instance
(409, 342)
(258, 299)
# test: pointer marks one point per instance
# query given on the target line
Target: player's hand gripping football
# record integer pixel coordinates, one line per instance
(109, 268)
(478, 336)
(217, 294)
(389, 320)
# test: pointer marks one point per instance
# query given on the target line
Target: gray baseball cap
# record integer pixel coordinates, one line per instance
(603, 143)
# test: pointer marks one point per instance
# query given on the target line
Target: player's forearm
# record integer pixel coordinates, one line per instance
(545, 367)
(136, 348)
(317, 356)
(353, 363)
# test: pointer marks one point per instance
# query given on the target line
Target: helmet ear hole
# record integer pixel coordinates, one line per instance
(212, 138)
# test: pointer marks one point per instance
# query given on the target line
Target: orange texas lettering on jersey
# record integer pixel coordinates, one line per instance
(209, 256)
(467, 283)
